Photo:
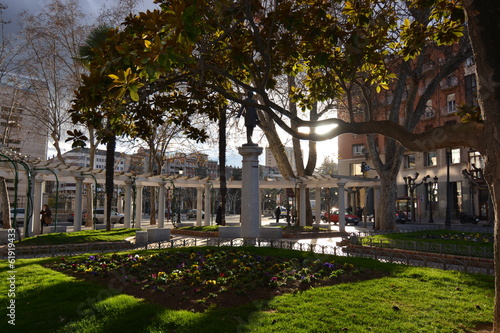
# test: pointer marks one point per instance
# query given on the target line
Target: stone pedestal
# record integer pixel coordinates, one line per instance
(141, 237)
(250, 207)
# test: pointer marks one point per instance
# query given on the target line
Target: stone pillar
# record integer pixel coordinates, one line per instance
(302, 204)
(138, 206)
(317, 213)
(37, 206)
(161, 205)
(199, 205)
(128, 204)
(208, 201)
(341, 185)
(250, 219)
(77, 221)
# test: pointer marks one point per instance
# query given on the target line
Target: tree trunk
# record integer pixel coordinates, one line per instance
(110, 172)
(384, 214)
(482, 22)
(222, 163)
(5, 204)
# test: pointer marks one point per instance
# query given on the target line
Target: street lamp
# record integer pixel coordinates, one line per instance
(447, 221)
(181, 171)
(430, 189)
(411, 185)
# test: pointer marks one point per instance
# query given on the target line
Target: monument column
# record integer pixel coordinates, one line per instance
(161, 205)
(250, 218)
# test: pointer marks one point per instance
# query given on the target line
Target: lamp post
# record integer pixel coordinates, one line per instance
(411, 186)
(181, 171)
(430, 189)
(447, 221)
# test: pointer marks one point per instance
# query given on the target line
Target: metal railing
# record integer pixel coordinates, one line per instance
(420, 260)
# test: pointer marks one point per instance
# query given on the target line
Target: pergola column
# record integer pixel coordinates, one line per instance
(138, 205)
(317, 198)
(37, 206)
(302, 204)
(208, 200)
(341, 185)
(199, 205)
(77, 221)
(128, 204)
(161, 205)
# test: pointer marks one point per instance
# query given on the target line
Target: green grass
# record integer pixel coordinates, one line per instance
(303, 229)
(202, 228)
(437, 241)
(77, 237)
(409, 300)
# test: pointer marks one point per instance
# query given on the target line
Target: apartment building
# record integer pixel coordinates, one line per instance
(445, 167)
(20, 128)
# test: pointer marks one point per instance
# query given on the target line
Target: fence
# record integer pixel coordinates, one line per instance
(466, 264)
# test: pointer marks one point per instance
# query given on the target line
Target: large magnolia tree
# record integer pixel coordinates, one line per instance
(210, 48)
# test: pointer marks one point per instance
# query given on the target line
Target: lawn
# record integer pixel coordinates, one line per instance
(78, 237)
(90, 297)
(445, 241)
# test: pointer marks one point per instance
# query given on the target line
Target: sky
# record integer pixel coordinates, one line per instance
(92, 7)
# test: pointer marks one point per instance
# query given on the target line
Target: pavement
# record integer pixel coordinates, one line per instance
(234, 220)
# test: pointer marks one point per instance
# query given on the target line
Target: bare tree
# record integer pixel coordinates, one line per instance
(52, 40)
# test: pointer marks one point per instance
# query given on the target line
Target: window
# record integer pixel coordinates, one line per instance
(357, 149)
(450, 103)
(430, 158)
(455, 155)
(356, 169)
(429, 111)
(470, 90)
(469, 62)
(409, 161)
(451, 81)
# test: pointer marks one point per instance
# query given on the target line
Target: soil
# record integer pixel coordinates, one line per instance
(188, 298)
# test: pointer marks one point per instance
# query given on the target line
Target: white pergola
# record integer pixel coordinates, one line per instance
(45, 171)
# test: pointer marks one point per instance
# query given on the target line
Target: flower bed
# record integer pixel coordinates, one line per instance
(206, 278)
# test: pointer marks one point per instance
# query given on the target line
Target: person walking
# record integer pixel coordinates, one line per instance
(218, 217)
(45, 217)
(277, 212)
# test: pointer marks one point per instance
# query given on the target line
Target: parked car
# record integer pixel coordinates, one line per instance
(466, 218)
(19, 215)
(400, 217)
(192, 213)
(283, 212)
(115, 217)
(71, 217)
(333, 216)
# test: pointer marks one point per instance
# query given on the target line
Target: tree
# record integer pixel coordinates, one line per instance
(52, 39)
(235, 44)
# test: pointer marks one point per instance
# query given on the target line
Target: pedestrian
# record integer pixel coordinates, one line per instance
(46, 217)
(359, 213)
(277, 212)
(218, 217)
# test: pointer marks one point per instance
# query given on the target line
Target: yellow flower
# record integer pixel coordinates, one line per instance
(88, 270)
(194, 267)
(161, 274)
(212, 282)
